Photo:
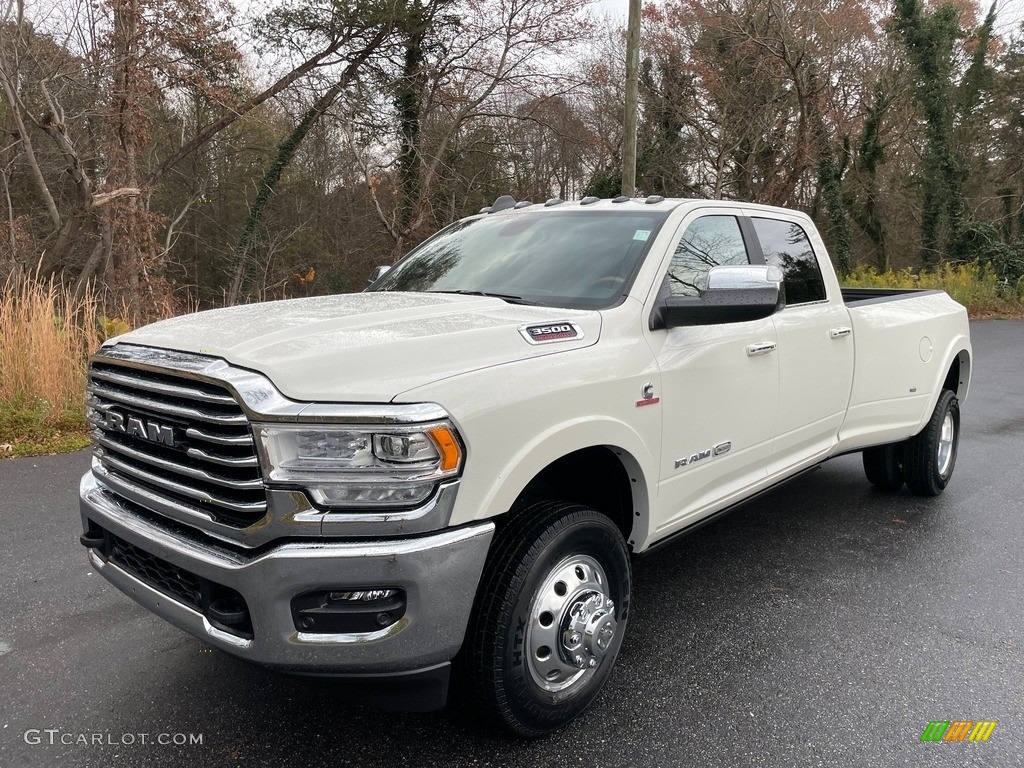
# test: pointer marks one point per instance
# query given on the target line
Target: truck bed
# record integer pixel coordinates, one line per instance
(862, 296)
(902, 338)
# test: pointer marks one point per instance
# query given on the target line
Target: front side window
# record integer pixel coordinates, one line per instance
(710, 241)
(786, 245)
(571, 259)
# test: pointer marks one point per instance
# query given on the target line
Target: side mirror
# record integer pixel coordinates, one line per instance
(735, 294)
(377, 273)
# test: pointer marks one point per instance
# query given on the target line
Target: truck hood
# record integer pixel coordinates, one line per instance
(366, 347)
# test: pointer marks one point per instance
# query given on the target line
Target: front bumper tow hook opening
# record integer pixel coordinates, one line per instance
(91, 540)
(228, 612)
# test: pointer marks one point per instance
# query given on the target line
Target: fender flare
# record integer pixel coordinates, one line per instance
(567, 437)
(959, 349)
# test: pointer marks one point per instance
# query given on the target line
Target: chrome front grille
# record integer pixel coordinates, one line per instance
(184, 440)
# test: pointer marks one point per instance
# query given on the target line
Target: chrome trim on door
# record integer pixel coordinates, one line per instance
(761, 348)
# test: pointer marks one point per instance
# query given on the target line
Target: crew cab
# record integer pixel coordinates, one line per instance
(458, 464)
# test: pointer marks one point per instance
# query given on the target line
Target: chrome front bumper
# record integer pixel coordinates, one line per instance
(439, 573)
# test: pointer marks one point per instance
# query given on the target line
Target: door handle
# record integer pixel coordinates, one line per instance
(761, 348)
(838, 333)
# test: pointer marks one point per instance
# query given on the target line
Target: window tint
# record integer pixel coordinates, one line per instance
(708, 242)
(785, 245)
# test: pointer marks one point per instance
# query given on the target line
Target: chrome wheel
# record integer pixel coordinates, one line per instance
(929, 457)
(572, 625)
(947, 437)
(544, 635)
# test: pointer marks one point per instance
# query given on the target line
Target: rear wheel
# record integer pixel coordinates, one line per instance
(930, 455)
(549, 620)
(883, 466)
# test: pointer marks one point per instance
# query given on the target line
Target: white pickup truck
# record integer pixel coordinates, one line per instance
(457, 464)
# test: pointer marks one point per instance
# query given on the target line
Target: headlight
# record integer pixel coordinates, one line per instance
(360, 466)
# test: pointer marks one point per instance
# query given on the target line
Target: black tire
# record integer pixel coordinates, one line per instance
(929, 457)
(883, 465)
(532, 550)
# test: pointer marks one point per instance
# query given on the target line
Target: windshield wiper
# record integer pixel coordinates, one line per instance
(509, 297)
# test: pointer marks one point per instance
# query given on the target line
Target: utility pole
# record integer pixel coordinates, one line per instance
(629, 122)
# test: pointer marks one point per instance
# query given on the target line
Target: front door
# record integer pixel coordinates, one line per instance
(720, 385)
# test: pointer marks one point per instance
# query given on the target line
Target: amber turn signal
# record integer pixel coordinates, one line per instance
(448, 446)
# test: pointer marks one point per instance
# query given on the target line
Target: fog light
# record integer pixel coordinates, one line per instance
(342, 611)
(364, 595)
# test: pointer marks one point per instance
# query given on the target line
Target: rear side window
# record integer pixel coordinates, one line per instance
(710, 241)
(785, 245)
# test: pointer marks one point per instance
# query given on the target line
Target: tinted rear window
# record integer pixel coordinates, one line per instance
(786, 245)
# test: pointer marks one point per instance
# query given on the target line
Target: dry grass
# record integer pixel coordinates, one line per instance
(46, 336)
(977, 288)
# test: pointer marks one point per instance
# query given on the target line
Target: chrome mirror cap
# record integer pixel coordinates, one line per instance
(744, 276)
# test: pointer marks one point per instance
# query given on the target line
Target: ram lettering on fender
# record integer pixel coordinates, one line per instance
(549, 332)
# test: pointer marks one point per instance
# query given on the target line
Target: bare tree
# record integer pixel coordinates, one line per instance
(467, 65)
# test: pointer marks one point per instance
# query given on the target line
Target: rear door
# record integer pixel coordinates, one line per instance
(815, 338)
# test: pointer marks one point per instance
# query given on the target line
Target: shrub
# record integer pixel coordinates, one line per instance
(978, 288)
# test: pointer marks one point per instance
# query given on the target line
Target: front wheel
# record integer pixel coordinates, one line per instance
(549, 621)
(930, 455)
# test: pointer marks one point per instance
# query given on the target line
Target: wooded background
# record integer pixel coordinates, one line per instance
(175, 154)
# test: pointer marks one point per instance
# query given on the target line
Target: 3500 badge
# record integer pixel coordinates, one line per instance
(542, 334)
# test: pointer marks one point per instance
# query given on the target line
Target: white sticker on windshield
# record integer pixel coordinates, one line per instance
(642, 235)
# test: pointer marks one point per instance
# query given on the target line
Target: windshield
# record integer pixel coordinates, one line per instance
(576, 260)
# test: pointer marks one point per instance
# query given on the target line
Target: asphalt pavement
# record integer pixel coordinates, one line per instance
(823, 625)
